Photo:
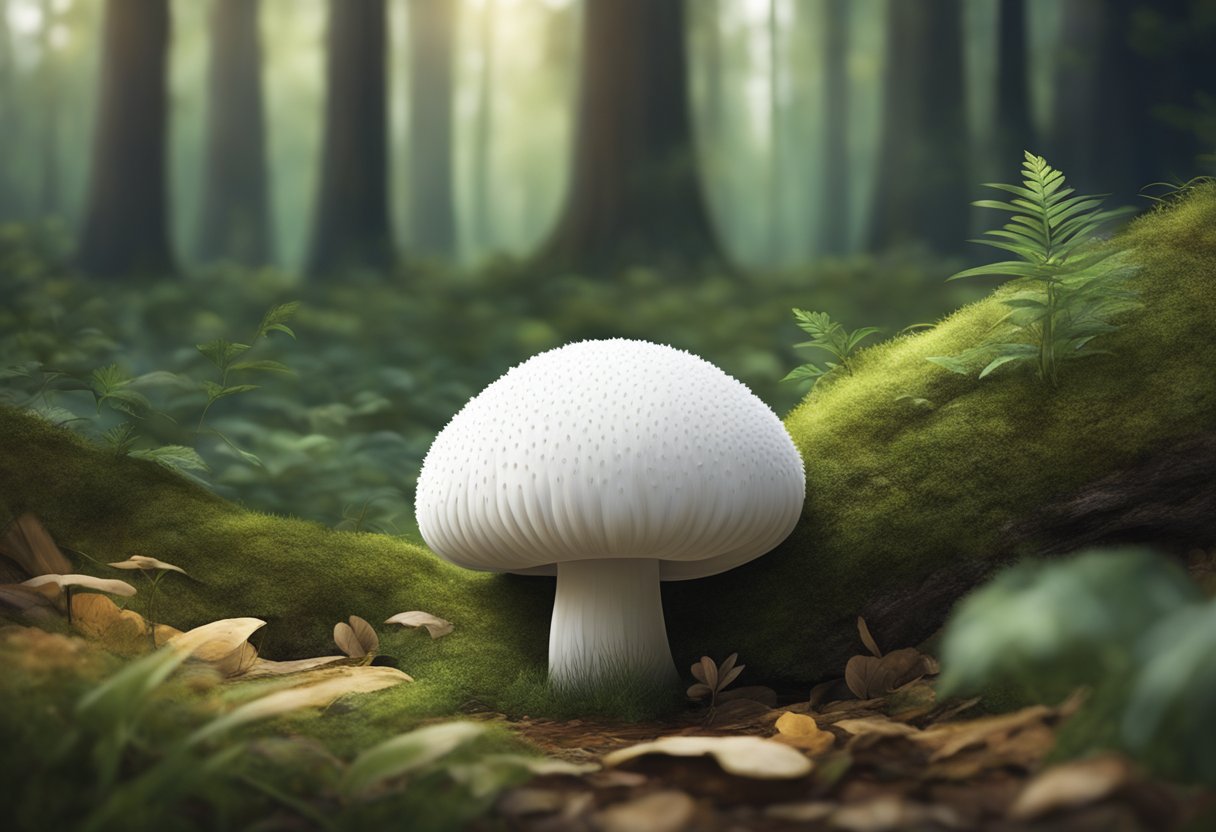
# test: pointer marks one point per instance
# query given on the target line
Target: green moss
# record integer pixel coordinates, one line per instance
(896, 492)
(300, 577)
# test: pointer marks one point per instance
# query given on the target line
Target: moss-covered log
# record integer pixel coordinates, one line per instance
(908, 504)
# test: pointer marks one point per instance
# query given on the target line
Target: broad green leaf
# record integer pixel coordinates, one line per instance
(177, 457)
(407, 753)
(261, 366)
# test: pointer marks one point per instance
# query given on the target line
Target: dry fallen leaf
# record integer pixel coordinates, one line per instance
(757, 693)
(96, 616)
(889, 813)
(868, 640)
(263, 668)
(876, 725)
(27, 542)
(27, 601)
(949, 739)
(147, 564)
(356, 639)
(1070, 785)
(114, 587)
(223, 644)
(662, 811)
(751, 757)
(800, 731)
(319, 688)
(870, 676)
(434, 625)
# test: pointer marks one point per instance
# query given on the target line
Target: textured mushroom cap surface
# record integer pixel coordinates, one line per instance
(611, 449)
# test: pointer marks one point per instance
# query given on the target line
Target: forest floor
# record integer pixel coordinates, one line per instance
(902, 761)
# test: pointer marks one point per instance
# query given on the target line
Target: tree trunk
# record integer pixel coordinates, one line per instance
(9, 206)
(48, 85)
(126, 215)
(834, 163)
(634, 195)
(351, 228)
(1073, 142)
(235, 221)
(482, 231)
(776, 143)
(923, 175)
(432, 66)
(1014, 126)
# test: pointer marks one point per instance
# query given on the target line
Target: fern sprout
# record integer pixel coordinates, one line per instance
(1068, 288)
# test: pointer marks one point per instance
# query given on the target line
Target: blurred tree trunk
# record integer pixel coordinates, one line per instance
(48, 88)
(834, 163)
(1014, 126)
(1072, 142)
(8, 118)
(923, 176)
(776, 147)
(351, 228)
(483, 218)
(1157, 65)
(432, 66)
(126, 215)
(634, 194)
(235, 220)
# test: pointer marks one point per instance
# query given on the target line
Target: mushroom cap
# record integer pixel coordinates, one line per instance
(611, 449)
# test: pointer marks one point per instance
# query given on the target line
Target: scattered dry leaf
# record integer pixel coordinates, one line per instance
(264, 668)
(868, 640)
(869, 676)
(96, 616)
(750, 757)
(114, 587)
(27, 543)
(434, 625)
(356, 639)
(224, 644)
(147, 564)
(318, 689)
(1070, 785)
(662, 811)
(876, 725)
(801, 731)
(889, 813)
(28, 601)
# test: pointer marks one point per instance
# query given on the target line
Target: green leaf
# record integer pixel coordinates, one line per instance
(807, 372)
(276, 319)
(251, 458)
(261, 366)
(177, 457)
(220, 352)
(407, 753)
(215, 392)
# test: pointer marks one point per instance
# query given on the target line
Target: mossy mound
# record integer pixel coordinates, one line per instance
(907, 503)
(300, 577)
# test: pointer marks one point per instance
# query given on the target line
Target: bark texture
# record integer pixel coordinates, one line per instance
(351, 227)
(235, 223)
(126, 215)
(634, 194)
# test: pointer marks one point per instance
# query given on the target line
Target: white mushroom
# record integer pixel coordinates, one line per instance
(614, 465)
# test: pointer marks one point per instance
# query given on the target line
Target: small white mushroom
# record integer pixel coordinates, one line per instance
(614, 465)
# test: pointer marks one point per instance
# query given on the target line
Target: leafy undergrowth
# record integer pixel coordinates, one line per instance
(378, 368)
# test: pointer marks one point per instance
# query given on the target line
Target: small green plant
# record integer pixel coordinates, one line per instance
(830, 336)
(225, 354)
(1068, 289)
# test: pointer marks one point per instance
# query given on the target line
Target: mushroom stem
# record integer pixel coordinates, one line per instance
(608, 625)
